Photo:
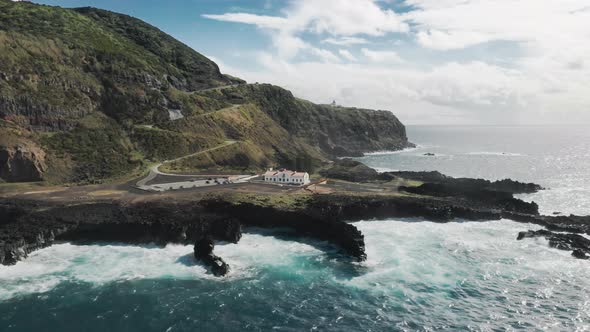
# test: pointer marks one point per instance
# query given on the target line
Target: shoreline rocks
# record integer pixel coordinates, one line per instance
(203, 251)
(435, 177)
(26, 226)
(20, 163)
(579, 245)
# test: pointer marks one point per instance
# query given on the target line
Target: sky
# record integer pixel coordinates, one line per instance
(442, 62)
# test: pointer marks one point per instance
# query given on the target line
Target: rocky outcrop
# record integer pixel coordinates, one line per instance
(320, 226)
(506, 185)
(22, 163)
(29, 225)
(350, 170)
(337, 131)
(33, 225)
(485, 197)
(34, 114)
(367, 207)
(570, 224)
(204, 252)
(579, 245)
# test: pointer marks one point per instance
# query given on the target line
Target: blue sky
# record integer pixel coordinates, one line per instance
(428, 61)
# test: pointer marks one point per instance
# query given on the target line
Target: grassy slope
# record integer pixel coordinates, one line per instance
(95, 88)
(262, 142)
(65, 69)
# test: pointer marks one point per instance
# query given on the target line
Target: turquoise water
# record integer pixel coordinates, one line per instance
(419, 276)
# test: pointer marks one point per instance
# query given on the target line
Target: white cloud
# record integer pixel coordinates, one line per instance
(442, 40)
(269, 22)
(345, 18)
(463, 23)
(347, 55)
(325, 55)
(534, 68)
(334, 17)
(340, 19)
(288, 45)
(381, 56)
(446, 94)
(345, 41)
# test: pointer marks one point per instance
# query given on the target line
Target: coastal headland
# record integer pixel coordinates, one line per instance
(92, 100)
(39, 217)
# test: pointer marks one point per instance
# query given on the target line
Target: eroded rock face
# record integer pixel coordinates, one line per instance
(204, 252)
(579, 245)
(22, 163)
(28, 226)
(350, 170)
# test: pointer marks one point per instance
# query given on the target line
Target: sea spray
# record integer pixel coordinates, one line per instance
(419, 276)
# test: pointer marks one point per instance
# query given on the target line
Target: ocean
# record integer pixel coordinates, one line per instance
(419, 276)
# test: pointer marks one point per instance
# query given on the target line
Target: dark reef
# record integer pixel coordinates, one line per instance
(579, 245)
(204, 252)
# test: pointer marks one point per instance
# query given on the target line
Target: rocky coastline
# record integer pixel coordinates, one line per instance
(29, 225)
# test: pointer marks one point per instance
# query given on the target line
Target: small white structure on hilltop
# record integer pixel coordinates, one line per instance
(285, 176)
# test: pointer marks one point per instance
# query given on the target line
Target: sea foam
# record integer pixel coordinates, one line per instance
(102, 263)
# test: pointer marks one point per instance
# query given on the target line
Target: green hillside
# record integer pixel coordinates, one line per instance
(88, 95)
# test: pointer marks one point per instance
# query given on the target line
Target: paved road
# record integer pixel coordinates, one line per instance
(154, 172)
(215, 181)
(231, 108)
(221, 87)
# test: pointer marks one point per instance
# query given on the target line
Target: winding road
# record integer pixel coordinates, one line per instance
(154, 170)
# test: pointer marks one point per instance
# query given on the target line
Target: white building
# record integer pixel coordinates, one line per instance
(285, 176)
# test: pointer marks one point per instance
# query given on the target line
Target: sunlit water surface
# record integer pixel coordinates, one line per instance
(556, 157)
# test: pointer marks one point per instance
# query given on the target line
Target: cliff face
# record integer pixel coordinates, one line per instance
(58, 65)
(338, 131)
(102, 93)
(20, 158)
(26, 226)
(19, 163)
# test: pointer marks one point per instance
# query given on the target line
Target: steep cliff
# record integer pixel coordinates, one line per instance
(336, 130)
(101, 93)
(22, 163)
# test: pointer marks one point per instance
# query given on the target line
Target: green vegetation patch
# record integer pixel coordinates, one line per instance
(284, 202)
(97, 152)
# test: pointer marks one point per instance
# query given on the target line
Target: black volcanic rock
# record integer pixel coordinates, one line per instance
(28, 226)
(506, 185)
(204, 252)
(21, 163)
(350, 170)
(305, 221)
(579, 245)
(580, 254)
(493, 198)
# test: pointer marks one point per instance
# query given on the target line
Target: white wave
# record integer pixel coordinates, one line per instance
(385, 169)
(491, 153)
(469, 270)
(565, 200)
(99, 264)
(381, 153)
(419, 266)
(440, 254)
